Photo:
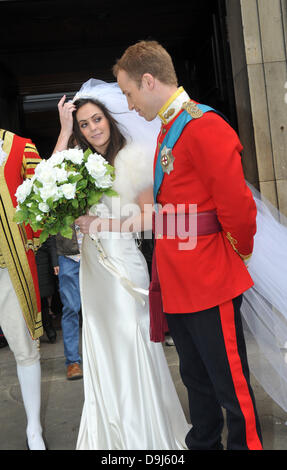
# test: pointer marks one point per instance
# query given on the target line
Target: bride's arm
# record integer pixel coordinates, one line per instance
(136, 223)
(66, 120)
(143, 221)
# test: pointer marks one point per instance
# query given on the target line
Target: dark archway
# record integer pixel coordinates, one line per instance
(53, 46)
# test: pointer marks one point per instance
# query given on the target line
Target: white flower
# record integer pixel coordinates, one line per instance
(96, 166)
(56, 159)
(104, 181)
(75, 155)
(61, 174)
(45, 173)
(44, 207)
(23, 190)
(49, 191)
(69, 190)
(38, 218)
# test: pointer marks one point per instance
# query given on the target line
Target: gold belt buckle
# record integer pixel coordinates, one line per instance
(29, 246)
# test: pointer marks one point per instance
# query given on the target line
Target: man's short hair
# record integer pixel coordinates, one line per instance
(147, 57)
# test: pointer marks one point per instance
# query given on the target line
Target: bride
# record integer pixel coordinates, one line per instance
(130, 400)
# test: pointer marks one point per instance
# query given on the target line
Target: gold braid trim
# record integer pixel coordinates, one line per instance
(29, 163)
(234, 242)
(245, 257)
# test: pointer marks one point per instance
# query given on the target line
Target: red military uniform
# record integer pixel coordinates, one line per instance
(207, 171)
(201, 287)
(18, 242)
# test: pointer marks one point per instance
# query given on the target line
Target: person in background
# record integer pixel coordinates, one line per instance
(69, 257)
(20, 305)
(47, 267)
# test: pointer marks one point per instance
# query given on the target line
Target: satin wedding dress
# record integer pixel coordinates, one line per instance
(130, 399)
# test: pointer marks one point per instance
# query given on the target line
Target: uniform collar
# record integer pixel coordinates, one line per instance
(173, 105)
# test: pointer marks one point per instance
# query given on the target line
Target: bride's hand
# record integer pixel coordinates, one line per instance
(84, 222)
(66, 115)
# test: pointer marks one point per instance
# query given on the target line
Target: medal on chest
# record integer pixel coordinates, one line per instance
(166, 160)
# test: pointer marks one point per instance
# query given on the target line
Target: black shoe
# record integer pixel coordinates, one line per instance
(48, 326)
(51, 333)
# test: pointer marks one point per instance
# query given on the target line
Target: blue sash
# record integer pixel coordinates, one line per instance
(171, 139)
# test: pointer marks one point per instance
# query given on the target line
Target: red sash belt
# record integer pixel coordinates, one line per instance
(174, 225)
(184, 225)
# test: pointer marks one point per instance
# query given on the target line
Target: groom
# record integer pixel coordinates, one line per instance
(198, 162)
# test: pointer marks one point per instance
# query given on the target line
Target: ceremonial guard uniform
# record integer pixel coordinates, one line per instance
(17, 246)
(198, 163)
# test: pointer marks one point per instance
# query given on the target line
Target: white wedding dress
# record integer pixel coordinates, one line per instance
(130, 399)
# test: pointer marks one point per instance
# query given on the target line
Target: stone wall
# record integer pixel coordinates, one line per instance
(258, 42)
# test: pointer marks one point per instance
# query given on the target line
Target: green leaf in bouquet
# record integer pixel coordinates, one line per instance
(20, 216)
(87, 153)
(43, 236)
(37, 226)
(111, 192)
(50, 201)
(82, 184)
(36, 197)
(83, 204)
(55, 228)
(66, 232)
(37, 183)
(94, 197)
(68, 220)
(75, 178)
(82, 195)
(35, 209)
(32, 219)
(91, 179)
(110, 169)
(75, 203)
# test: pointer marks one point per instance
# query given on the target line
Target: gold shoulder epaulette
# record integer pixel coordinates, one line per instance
(192, 109)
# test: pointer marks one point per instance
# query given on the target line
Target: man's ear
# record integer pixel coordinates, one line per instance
(148, 81)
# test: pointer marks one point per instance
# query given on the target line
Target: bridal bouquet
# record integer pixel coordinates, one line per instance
(63, 187)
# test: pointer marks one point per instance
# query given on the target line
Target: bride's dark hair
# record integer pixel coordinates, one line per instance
(117, 140)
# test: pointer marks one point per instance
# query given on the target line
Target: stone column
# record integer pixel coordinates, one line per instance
(258, 42)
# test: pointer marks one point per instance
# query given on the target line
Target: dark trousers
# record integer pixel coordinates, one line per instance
(214, 368)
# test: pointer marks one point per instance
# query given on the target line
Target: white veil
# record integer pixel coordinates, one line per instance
(264, 306)
(134, 127)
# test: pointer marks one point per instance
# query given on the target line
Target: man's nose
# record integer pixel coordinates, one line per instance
(130, 105)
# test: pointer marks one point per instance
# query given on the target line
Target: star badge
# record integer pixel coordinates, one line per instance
(166, 160)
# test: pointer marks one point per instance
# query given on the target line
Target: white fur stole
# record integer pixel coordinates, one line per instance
(134, 172)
